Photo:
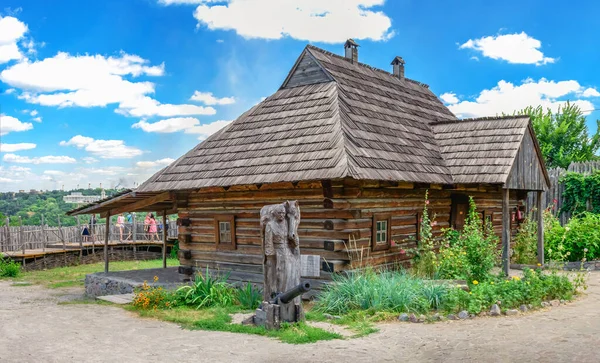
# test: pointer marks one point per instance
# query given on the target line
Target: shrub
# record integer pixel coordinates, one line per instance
(249, 296)
(581, 236)
(479, 243)
(452, 260)
(425, 259)
(9, 268)
(525, 251)
(208, 291)
(379, 291)
(151, 297)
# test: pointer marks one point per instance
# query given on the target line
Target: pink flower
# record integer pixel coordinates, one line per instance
(434, 223)
(402, 252)
(554, 201)
(427, 201)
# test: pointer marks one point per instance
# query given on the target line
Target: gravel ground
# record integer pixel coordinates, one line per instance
(35, 328)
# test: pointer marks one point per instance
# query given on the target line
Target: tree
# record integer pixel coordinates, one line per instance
(563, 136)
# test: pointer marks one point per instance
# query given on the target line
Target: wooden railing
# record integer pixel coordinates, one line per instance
(16, 238)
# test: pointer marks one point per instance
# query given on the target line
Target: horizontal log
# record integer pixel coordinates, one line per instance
(334, 265)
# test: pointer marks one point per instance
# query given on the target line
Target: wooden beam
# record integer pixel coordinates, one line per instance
(540, 241)
(106, 234)
(136, 206)
(505, 231)
(164, 248)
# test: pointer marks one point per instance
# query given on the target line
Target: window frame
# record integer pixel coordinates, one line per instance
(387, 218)
(225, 246)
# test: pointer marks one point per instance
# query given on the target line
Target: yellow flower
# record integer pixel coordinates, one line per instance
(155, 278)
(539, 264)
(516, 278)
(491, 283)
(475, 282)
(470, 293)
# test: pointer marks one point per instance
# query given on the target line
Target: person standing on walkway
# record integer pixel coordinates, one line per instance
(93, 227)
(120, 226)
(152, 228)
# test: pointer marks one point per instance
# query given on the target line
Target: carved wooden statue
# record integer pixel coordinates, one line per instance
(281, 264)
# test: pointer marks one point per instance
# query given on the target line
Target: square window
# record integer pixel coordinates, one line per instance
(225, 232)
(381, 232)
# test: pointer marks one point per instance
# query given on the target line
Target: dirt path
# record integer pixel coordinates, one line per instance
(34, 328)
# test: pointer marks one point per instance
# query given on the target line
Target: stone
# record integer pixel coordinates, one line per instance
(403, 317)
(463, 315)
(530, 306)
(545, 304)
(495, 310)
(436, 317)
(555, 303)
(523, 308)
(422, 318)
(452, 317)
(413, 319)
(260, 317)
(328, 316)
(511, 312)
(563, 302)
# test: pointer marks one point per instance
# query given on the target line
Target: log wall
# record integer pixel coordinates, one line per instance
(336, 221)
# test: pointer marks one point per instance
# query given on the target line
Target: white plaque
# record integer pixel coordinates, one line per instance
(311, 265)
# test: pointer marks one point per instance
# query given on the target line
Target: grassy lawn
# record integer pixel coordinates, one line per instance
(219, 319)
(74, 275)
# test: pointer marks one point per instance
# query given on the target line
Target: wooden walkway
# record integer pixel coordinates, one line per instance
(75, 246)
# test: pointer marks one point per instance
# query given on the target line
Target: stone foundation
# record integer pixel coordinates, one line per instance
(125, 282)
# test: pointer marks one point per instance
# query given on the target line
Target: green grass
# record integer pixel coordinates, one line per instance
(74, 276)
(218, 319)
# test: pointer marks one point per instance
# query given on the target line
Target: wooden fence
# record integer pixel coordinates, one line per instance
(16, 238)
(554, 195)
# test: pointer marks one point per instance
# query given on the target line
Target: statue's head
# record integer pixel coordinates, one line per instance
(293, 216)
(279, 213)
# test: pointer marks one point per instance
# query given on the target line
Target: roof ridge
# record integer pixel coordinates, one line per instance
(310, 46)
(483, 118)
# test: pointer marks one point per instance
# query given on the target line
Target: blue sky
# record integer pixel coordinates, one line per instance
(111, 91)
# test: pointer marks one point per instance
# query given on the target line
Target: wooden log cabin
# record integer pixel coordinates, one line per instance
(357, 147)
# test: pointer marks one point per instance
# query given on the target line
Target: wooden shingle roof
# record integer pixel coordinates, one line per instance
(334, 119)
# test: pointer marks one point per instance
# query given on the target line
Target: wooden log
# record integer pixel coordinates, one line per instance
(106, 232)
(540, 220)
(21, 235)
(8, 234)
(505, 232)
(164, 246)
(44, 234)
(80, 238)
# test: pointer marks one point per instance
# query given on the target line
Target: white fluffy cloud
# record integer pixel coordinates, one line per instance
(590, 92)
(50, 159)
(513, 48)
(208, 129)
(11, 31)
(105, 149)
(67, 80)
(168, 125)
(330, 21)
(89, 160)
(13, 124)
(11, 148)
(208, 99)
(507, 97)
(449, 98)
(154, 164)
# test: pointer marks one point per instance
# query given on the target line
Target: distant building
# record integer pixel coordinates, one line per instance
(79, 198)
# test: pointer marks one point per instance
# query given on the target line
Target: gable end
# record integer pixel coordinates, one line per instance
(307, 70)
(528, 171)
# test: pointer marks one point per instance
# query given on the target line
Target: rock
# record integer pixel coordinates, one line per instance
(555, 303)
(495, 310)
(422, 318)
(523, 308)
(563, 302)
(413, 318)
(260, 317)
(529, 306)
(403, 317)
(452, 317)
(337, 317)
(511, 312)
(463, 315)
(484, 314)
(545, 304)
(436, 317)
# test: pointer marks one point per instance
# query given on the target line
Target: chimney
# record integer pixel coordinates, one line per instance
(351, 48)
(398, 64)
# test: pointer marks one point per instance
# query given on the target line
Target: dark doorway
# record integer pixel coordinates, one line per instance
(459, 211)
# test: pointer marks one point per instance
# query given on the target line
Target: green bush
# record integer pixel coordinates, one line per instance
(425, 259)
(579, 239)
(208, 290)
(525, 251)
(9, 268)
(249, 296)
(379, 291)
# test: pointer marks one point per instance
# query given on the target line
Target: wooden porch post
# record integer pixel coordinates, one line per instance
(505, 232)
(540, 241)
(106, 233)
(164, 249)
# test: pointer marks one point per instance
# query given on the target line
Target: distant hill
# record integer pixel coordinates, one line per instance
(30, 206)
